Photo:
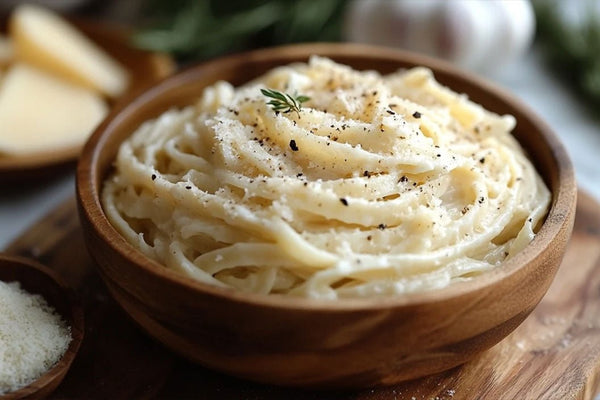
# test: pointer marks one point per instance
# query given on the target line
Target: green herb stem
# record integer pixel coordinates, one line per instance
(283, 102)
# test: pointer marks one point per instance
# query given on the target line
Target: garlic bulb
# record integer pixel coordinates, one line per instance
(477, 34)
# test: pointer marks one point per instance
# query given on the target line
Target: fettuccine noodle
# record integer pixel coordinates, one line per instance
(377, 186)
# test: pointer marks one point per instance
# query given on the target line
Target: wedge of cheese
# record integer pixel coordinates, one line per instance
(44, 39)
(6, 51)
(39, 112)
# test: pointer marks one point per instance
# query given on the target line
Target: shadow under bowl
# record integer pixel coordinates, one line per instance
(312, 343)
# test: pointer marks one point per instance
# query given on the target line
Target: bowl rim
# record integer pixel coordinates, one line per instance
(76, 324)
(562, 202)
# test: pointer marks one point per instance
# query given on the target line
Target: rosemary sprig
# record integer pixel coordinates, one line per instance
(200, 29)
(283, 102)
(572, 47)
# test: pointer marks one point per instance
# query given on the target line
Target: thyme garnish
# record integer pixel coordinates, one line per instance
(283, 102)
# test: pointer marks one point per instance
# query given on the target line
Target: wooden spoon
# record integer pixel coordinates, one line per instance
(38, 279)
(145, 68)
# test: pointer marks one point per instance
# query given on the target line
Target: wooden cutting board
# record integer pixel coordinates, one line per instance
(554, 354)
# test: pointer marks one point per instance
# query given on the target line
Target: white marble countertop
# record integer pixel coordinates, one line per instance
(528, 79)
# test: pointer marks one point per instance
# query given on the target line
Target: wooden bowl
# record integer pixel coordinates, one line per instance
(312, 343)
(145, 68)
(38, 279)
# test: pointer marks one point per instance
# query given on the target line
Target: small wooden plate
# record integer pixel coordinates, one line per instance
(145, 67)
(38, 279)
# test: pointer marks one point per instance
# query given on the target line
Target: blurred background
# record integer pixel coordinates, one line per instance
(546, 52)
(483, 35)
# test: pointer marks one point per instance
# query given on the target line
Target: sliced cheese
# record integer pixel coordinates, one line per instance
(44, 39)
(6, 50)
(39, 112)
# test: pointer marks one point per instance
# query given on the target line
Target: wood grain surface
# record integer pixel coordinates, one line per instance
(554, 354)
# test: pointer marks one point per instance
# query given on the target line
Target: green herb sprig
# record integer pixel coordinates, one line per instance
(283, 102)
(201, 29)
(572, 47)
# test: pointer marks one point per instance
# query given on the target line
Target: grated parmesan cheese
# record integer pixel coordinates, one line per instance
(33, 337)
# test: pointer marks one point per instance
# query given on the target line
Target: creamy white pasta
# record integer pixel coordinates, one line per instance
(377, 186)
